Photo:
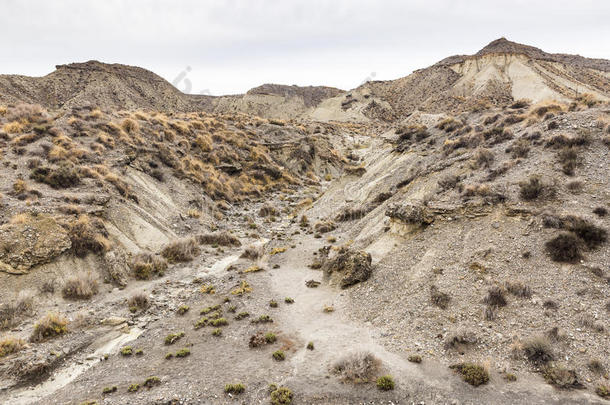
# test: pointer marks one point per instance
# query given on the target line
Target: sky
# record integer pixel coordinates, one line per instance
(227, 47)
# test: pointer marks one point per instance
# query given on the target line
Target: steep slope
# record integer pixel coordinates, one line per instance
(498, 74)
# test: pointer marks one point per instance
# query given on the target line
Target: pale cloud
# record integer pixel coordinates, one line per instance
(234, 45)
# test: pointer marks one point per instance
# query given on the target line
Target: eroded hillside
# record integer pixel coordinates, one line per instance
(441, 250)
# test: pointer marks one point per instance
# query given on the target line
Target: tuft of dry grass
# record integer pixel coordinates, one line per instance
(183, 250)
(49, 326)
(218, 238)
(138, 301)
(88, 234)
(358, 367)
(10, 345)
(80, 286)
(145, 264)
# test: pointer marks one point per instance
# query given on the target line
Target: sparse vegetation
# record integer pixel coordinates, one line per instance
(564, 247)
(144, 265)
(173, 338)
(561, 377)
(10, 345)
(49, 326)
(359, 367)
(281, 396)
(415, 358)
(183, 250)
(80, 286)
(235, 389)
(473, 374)
(279, 355)
(138, 302)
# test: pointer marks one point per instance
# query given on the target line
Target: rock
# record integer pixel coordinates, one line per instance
(32, 240)
(113, 321)
(349, 267)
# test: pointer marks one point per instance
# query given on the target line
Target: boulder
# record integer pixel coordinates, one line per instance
(348, 267)
(31, 240)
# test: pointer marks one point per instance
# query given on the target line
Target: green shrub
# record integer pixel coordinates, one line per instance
(270, 337)
(183, 353)
(279, 355)
(152, 381)
(281, 396)
(473, 374)
(385, 383)
(173, 338)
(310, 346)
(235, 388)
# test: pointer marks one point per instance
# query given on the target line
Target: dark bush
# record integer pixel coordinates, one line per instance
(565, 247)
(64, 176)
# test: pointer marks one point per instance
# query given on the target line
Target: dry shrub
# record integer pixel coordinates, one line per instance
(449, 181)
(460, 340)
(130, 126)
(146, 264)
(80, 286)
(565, 247)
(183, 250)
(63, 176)
(88, 235)
(325, 226)
(568, 157)
(483, 158)
(473, 374)
(251, 253)
(351, 214)
(534, 188)
(10, 345)
(12, 311)
(439, 298)
(495, 297)
(218, 238)
(359, 367)
(49, 326)
(518, 289)
(538, 350)
(138, 301)
(561, 377)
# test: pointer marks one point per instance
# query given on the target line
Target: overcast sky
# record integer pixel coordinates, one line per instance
(233, 45)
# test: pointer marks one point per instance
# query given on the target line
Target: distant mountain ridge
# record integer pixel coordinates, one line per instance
(499, 73)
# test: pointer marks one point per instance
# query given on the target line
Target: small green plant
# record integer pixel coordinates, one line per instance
(183, 353)
(217, 332)
(288, 300)
(232, 309)
(263, 319)
(183, 309)
(201, 323)
(139, 352)
(603, 391)
(207, 310)
(109, 390)
(281, 396)
(415, 358)
(279, 355)
(219, 322)
(173, 338)
(510, 377)
(235, 388)
(310, 346)
(169, 356)
(242, 315)
(127, 351)
(152, 381)
(273, 304)
(385, 383)
(473, 374)
(270, 337)
(133, 388)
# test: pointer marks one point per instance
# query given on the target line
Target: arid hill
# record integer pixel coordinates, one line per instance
(449, 246)
(497, 75)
